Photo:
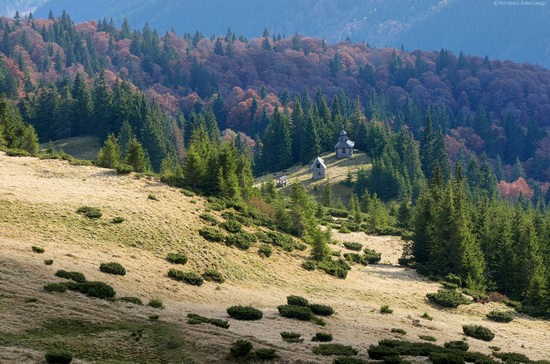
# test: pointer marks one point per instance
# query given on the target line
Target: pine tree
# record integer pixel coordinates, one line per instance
(83, 107)
(135, 156)
(29, 140)
(109, 154)
(327, 196)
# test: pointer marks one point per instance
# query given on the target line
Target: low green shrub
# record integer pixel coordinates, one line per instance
(232, 226)
(297, 301)
(355, 258)
(117, 220)
(353, 246)
(265, 354)
(194, 319)
(55, 287)
(321, 310)
(177, 258)
(427, 316)
(335, 349)
(427, 338)
(398, 331)
(124, 169)
(478, 358)
(511, 357)
(152, 197)
(348, 360)
(14, 152)
(94, 289)
(371, 256)
(322, 336)
(191, 278)
(448, 298)
(296, 312)
(309, 264)
(73, 276)
(211, 234)
(213, 275)
(155, 303)
(187, 193)
(446, 358)
(265, 250)
(240, 240)
(478, 332)
(478, 296)
(89, 212)
(37, 249)
(386, 309)
(247, 313)
(511, 303)
(500, 316)
(48, 261)
(281, 240)
(112, 268)
(291, 337)
(241, 348)
(134, 300)
(58, 356)
(338, 268)
(458, 345)
(153, 317)
(209, 218)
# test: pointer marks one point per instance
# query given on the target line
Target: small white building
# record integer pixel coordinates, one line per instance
(344, 147)
(318, 168)
(281, 181)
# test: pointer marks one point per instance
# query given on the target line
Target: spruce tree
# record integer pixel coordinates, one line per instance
(109, 154)
(135, 156)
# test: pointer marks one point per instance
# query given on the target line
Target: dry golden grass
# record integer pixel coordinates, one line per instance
(38, 200)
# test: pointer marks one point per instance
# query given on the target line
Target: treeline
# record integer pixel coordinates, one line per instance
(483, 106)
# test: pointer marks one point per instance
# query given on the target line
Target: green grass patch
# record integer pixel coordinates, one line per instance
(112, 268)
(246, 313)
(478, 332)
(90, 212)
(448, 298)
(176, 258)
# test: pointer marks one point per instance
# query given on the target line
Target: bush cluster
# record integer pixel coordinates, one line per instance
(478, 332)
(353, 246)
(386, 309)
(322, 336)
(338, 268)
(458, 345)
(213, 275)
(124, 168)
(295, 312)
(240, 240)
(291, 337)
(58, 357)
(371, 256)
(448, 298)
(321, 310)
(500, 316)
(446, 358)
(265, 250)
(89, 212)
(194, 319)
(74, 276)
(176, 258)
(209, 218)
(246, 313)
(297, 301)
(191, 278)
(265, 354)
(55, 287)
(112, 268)
(511, 357)
(232, 226)
(211, 234)
(335, 349)
(398, 331)
(48, 261)
(240, 348)
(117, 220)
(93, 289)
(155, 303)
(387, 349)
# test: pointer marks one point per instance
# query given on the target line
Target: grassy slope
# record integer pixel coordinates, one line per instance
(79, 147)
(38, 200)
